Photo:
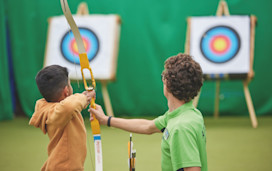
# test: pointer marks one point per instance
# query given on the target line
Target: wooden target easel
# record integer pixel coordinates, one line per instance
(83, 10)
(223, 10)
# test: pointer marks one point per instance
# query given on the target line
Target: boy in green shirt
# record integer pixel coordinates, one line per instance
(184, 137)
(184, 140)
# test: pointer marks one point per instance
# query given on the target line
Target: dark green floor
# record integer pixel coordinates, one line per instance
(232, 144)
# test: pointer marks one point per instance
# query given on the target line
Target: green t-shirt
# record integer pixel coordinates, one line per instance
(184, 138)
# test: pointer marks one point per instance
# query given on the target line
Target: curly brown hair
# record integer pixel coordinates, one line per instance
(183, 76)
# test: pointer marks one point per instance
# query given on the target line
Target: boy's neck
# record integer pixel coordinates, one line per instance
(174, 103)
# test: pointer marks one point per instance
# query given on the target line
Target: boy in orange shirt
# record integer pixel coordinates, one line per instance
(58, 115)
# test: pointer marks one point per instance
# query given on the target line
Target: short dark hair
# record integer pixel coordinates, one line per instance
(51, 80)
(183, 76)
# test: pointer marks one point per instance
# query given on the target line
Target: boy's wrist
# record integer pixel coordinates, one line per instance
(109, 121)
(103, 120)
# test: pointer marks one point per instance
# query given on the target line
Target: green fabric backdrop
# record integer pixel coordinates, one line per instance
(5, 92)
(151, 32)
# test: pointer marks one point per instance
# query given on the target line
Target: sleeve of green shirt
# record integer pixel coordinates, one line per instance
(183, 147)
(161, 122)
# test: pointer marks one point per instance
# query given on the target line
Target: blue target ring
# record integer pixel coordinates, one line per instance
(220, 44)
(69, 48)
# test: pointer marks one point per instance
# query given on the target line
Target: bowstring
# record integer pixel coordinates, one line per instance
(78, 89)
(74, 59)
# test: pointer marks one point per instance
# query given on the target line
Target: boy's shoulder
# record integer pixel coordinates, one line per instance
(42, 103)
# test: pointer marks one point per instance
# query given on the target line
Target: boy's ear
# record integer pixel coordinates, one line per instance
(66, 91)
(64, 94)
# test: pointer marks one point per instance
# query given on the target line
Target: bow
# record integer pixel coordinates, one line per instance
(84, 63)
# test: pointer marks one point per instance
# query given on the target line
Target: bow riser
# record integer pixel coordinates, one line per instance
(84, 64)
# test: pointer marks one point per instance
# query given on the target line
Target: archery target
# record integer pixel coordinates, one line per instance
(221, 44)
(100, 34)
(69, 47)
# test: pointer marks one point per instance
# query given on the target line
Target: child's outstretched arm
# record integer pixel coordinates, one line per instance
(141, 126)
(67, 108)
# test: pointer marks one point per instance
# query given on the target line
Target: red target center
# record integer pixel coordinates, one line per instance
(73, 45)
(220, 44)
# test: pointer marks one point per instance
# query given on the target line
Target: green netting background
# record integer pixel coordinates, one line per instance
(151, 31)
(6, 111)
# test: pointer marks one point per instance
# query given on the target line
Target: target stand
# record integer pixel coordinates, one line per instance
(219, 44)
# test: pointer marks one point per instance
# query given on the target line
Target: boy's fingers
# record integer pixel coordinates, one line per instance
(97, 105)
(92, 111)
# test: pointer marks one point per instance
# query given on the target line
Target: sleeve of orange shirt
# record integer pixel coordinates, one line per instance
(64, 110)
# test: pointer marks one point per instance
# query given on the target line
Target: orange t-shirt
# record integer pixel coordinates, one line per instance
(63, 123)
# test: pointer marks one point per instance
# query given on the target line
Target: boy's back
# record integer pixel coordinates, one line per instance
(58, 115)
(64, 125)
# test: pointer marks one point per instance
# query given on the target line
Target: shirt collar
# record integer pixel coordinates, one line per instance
(181, 109)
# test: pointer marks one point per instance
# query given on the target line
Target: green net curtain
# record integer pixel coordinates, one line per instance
(151, 32)
(6, 111)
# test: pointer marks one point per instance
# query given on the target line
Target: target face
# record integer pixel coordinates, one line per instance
(100, 35)
(220, 44)
(69, 48)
